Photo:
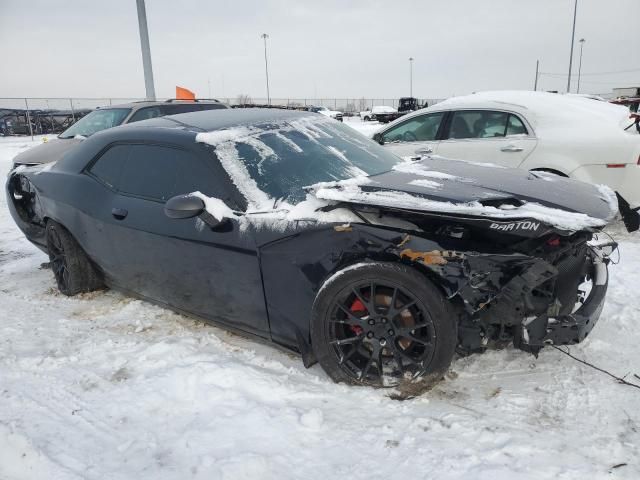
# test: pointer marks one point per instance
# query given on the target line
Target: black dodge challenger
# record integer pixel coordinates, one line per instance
(293, 228)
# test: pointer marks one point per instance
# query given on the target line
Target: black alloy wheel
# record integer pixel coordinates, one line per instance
(378, 328)
(381, 324)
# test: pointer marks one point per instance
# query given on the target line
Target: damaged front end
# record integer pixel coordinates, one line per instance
(532, 292)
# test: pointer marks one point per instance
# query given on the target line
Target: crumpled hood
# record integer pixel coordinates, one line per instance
(51, 151)
(444, 186)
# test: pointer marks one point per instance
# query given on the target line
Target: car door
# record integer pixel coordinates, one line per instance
(184, 263)
(415, 136)
(489, 136)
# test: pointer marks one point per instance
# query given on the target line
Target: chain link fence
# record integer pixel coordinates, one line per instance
(43, 115)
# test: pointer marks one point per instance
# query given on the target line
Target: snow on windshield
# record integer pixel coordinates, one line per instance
(272, 162)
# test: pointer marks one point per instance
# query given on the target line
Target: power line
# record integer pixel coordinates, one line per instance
(593, 73)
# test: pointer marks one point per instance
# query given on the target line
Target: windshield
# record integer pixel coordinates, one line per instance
(281, 159)
(96, 121)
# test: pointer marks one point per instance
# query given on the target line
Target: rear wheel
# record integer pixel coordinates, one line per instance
(381, 324)
(71, 267)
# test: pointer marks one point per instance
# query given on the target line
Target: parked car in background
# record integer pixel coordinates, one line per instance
(297, 230)
(380, 113)
(107, 117)
(327, 113)
(411, 104)
(565, 135)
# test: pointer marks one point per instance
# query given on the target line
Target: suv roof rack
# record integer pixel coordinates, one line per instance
(171, 100)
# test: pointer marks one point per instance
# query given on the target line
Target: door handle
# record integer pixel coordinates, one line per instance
(511, 148)
(119, 213)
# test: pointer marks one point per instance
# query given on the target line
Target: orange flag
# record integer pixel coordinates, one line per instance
(184, 94)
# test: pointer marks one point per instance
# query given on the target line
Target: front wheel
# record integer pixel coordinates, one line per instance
(381, 324)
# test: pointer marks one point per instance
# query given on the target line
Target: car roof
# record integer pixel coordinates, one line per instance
(152, 103)
(538, 107)
(209, 120)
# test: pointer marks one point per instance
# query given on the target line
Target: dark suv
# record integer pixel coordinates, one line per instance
(107, 117)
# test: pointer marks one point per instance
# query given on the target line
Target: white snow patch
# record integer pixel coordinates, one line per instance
(288, 142)
(559, 218)
(426, 183)
(216, 207)
(609, 196)
(420, 169)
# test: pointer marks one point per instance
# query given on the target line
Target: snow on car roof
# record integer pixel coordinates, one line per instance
(545, 109)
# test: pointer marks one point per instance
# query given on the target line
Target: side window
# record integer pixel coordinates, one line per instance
(159, 172)
(419, 129)
(515, 126)
(174, 109)
(477, 124)
(108, 167)
(145, 114)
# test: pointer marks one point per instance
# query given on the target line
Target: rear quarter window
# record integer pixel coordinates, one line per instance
(108, 167)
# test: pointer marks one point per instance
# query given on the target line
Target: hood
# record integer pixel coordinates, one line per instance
(51, 151)
(453, 187)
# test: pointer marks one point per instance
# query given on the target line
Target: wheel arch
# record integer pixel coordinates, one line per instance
(295, 268)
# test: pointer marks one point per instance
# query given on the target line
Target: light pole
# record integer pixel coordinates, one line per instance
(146, 51)
(266, 66)
(573, 37)
(411, 77)
(581, 42)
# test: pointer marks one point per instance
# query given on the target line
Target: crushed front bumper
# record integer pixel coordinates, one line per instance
(574, 327)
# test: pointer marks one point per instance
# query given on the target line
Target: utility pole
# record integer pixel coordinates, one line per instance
(581, 42)
(535, 85)
(411, 77)
(146, 51)
(266, 66)
(573, 37)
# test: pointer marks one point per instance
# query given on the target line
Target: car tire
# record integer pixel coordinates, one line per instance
(73, 271)
(366, 119)
(413, 342)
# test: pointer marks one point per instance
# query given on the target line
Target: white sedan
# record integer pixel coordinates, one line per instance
(570, 136)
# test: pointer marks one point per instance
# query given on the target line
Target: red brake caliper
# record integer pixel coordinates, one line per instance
(357, 307)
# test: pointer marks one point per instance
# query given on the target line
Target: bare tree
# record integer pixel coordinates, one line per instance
(362, 104)
(244, 99)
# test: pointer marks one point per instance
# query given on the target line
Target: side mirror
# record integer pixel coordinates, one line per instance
(377, 137)
(184, 206)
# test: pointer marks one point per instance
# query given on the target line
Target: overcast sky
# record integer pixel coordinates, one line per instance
(321, 48)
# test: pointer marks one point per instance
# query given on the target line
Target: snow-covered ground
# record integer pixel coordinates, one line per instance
(101, 386)
(366, 128)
